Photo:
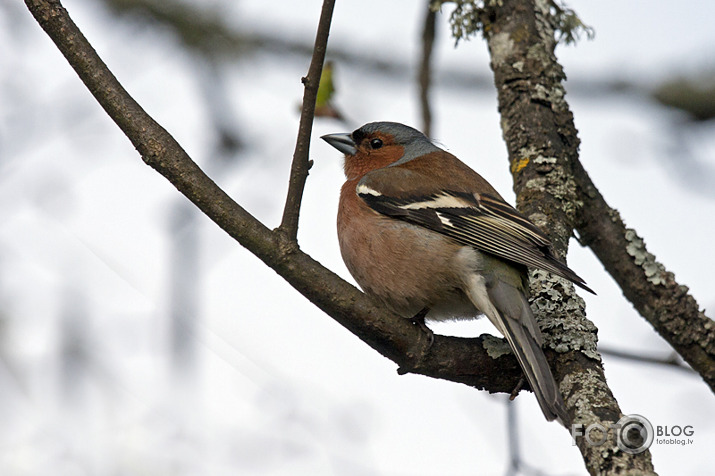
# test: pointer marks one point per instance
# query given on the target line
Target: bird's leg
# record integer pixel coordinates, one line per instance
(419, 320)
(516, 390)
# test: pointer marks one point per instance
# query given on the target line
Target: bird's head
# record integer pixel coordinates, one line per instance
(379, 144)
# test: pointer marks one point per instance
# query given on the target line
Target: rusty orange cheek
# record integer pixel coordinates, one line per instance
(364, 162)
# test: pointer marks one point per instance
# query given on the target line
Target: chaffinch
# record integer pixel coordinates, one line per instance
(429, 237)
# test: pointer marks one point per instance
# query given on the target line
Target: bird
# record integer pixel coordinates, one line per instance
(430, 238)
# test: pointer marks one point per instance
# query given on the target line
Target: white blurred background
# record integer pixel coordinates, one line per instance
(136, 338)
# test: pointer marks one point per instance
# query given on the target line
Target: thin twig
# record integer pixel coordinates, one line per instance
(301, 165)
(671, 361)
(425, 74)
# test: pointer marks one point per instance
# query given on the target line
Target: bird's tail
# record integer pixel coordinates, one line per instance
(508, 309)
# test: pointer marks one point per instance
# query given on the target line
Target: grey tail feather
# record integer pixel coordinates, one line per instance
(537, 371)
(522, 332)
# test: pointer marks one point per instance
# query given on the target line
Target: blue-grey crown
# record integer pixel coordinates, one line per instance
(419, 144)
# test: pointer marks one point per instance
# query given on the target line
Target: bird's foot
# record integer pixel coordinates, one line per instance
(419, 320)
(420, 350)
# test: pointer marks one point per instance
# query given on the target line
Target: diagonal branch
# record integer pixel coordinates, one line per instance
(301, 165)
(652, 290)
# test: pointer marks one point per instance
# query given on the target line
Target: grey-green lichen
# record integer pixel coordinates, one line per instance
(554, 181)
(613, 214)
(501, 47)
(596, 411)
(544, 162)
(654, 272)
(558, 307)
(559, 230)
(539, 219)
(567, 24)
(585, 392)
(466, 18)
(494, 346)
(553, 95)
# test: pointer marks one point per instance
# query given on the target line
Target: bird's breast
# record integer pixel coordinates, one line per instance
(405, 266)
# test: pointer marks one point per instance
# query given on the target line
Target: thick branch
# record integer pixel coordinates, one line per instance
(483, 362)
(542, 143)
(300, 166)
(652, 290)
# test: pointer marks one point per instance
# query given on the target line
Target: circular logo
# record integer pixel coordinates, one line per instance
(634, 434)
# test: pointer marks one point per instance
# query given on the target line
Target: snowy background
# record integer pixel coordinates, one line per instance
(136, 338)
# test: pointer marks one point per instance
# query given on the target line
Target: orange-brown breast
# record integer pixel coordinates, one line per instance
(405, 266)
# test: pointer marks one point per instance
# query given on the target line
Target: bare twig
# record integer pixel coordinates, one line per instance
(301, 165)
(671, 361)
(425, 73)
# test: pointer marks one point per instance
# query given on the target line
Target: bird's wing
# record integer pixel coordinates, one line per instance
(483, 221)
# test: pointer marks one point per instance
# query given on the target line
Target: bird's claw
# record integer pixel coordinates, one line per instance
(419, 320)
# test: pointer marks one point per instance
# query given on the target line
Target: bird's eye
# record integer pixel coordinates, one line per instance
(376, 143)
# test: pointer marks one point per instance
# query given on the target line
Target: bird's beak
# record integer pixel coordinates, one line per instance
(343, 142)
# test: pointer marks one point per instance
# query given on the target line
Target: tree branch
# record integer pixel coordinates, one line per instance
(542, 142)
(652, 290)
(301, 165)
